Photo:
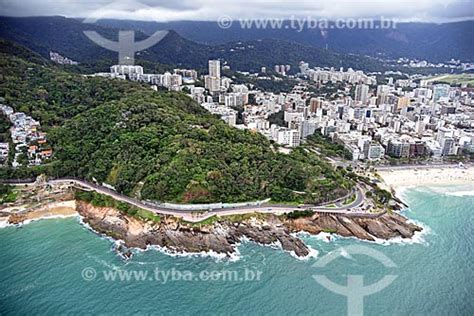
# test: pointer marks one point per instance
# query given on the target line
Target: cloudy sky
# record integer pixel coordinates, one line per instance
(172, 10)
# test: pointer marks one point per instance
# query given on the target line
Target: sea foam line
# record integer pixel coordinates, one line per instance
(417, 238)
(232, 257)
(461, 193)
(4, 223)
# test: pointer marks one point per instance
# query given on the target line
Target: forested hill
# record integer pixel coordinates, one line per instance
(65, 36)
(157, 145)
(430, 41)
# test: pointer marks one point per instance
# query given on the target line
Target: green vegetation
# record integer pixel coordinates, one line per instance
(7, 194)
(278, 118)
(147, 215)
(282, 84)
(329, 230)
(299, 214)
(96, 199)
(207, 222)
(162, 145)
(53, 96)
(100, 200)
(41, 34)
(326, 147)
(456, 79)
(5, 125)
(4, 129)
(381, 197)
(329, 90)
(350, 199)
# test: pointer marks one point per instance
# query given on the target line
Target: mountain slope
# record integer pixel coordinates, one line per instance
(65, 36)
(436, 42)
(251, 55)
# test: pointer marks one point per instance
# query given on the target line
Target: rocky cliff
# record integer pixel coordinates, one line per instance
(223, 235)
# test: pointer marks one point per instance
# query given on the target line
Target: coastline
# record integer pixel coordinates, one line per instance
(222, 238)
(219, 236)
(62, 209)
(225, 234)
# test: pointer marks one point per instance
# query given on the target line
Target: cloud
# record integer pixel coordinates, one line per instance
(166, 10)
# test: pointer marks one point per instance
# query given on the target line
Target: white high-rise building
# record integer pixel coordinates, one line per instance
(215, 68)
(126, 69)
(285, 136)
(213, 84)
(362, 93)
(382, 89)
(303, 67)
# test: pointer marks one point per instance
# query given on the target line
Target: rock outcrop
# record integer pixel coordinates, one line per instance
(223, 235)
(16, 219)
(386, 226)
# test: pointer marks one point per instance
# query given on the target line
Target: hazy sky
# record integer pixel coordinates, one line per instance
(171, 10)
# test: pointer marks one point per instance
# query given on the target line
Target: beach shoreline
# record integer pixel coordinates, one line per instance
(399, 179)
(60, 209)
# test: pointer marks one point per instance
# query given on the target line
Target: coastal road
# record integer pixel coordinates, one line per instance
(207, 213)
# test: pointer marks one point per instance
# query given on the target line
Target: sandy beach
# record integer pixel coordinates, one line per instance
(56, 209)
(61, 209)
(398, 178)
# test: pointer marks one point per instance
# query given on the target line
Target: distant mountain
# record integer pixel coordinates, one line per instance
(435, 42)
(268, 52)
(42, 34)
(65, 36)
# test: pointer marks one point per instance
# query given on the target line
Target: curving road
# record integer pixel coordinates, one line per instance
(200, 216)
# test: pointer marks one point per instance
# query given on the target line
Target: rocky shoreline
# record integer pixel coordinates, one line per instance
(223, 235)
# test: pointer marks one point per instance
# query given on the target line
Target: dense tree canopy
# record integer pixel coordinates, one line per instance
(157, 145)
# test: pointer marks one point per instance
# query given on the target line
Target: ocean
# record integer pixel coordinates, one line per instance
(59, 266)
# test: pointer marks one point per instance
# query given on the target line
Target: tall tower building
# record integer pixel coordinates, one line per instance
(362, 93)
(212, 82)
(315, 104)
(215, 68)
(382, 89)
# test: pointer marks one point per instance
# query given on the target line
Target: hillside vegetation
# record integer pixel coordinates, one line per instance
(65, 36)
(156, 145)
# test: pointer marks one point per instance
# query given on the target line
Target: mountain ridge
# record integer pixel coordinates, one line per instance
(65, 35)
(431, 41)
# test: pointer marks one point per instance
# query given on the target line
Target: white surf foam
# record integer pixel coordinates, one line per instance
(5, 223)
(461, 193)
(231, 257)
(417, 238)
(345, 254)
(313, 253)
(322, 236)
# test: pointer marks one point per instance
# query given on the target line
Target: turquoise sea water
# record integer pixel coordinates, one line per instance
(42, 264)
